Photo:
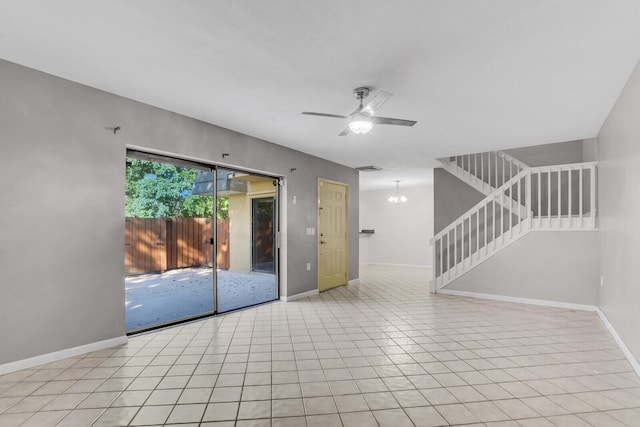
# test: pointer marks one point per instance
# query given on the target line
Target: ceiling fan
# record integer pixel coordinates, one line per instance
(362, 120)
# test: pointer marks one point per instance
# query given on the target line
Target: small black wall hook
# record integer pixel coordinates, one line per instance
(113, 129)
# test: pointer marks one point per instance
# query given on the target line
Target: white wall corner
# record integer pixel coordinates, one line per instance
(632, 360)
(62, 354)
(298, 296)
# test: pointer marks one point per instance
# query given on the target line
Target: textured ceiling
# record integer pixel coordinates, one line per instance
(476, 75)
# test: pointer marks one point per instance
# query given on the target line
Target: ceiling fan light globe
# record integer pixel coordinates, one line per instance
(360, 126)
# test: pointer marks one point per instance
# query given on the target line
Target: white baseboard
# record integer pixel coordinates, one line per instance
(542, 302)
(388, 264)
(19, 365)
(627, 353)
(300, 295)
(632, 360)
(354, 282)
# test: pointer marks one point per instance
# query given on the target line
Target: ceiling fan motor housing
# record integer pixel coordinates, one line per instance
(361, 93)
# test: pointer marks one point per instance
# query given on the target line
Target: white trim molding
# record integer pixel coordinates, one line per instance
(31, 362)
(532, 301)
(632, 360)
(300, 295)
(353, 282)
(396, 265)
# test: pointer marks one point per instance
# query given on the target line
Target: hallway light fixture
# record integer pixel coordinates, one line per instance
(397, 198)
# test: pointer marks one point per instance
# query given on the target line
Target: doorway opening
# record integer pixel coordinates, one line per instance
(194, 239)
(252, 274)
(262, 218)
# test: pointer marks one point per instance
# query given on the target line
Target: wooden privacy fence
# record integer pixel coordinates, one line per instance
(161, 244)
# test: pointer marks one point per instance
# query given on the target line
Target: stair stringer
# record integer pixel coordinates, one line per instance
(490, 250)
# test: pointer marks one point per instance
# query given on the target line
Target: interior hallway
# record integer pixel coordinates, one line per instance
(384, 352)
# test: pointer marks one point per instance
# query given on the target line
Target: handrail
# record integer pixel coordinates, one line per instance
(551, 168)
(482, 203)
(554, 197)
(513, 160)
(490, 168)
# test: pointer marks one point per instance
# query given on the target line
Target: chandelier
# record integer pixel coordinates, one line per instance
(397, 198)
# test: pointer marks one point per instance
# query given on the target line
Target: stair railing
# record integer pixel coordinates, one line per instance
(493, 168)
(559, 197)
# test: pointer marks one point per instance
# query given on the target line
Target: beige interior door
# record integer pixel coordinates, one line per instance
(332, 234)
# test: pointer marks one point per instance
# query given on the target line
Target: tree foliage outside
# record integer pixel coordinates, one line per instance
(157, 190)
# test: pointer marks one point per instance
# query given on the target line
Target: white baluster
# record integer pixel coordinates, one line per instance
(475, 167)
(570, 200)
(549, 198)
(449, 255)
(580, 201)
(493, 221)
(559, 199)
(495, 167)
(455, 247)
(592, 194)
(478, 234)
(441, 258)
(539, 199)
(510, 210)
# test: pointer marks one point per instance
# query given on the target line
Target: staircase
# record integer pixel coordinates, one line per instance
(485, 171)
(519, 199)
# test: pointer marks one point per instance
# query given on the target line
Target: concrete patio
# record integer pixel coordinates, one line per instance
(153, 299)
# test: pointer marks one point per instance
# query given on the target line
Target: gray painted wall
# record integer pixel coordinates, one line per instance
(550, 266)
(549, 154)
(62, 205)
(451, 198)
(619, 207)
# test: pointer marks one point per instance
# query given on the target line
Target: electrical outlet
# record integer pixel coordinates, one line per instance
(308, 266)
(601, 280)
(294, 200)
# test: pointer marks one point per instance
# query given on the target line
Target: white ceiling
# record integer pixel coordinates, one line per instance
(477, 75)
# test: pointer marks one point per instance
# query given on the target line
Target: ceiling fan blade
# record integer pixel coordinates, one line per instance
(346, 131)
(336, 116)
(377, 102)
(390, 121)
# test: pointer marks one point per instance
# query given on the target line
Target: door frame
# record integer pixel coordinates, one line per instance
(346, 227)
(142, 153)
(254, 201)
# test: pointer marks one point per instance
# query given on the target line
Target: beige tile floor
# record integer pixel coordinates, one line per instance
(382, 353)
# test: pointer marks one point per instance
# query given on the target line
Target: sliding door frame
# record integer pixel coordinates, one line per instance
(142, 154)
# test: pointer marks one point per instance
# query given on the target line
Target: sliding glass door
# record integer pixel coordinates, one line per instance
(249, 274)
(199, 240)
(169, 247)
